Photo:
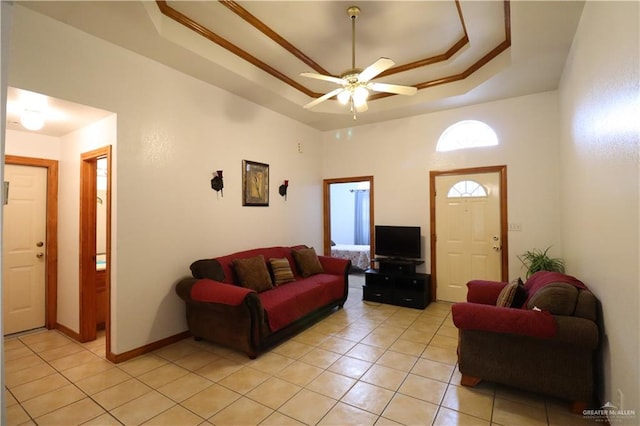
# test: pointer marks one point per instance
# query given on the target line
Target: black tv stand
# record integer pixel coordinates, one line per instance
(396, 282)
(398, 265)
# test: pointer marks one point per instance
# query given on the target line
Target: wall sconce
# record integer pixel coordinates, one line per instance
(282, 190)
(216, 183)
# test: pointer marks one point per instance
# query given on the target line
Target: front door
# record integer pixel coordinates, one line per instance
(468, 232)
(24, 248)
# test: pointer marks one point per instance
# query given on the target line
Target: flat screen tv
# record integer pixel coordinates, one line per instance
(398, 241)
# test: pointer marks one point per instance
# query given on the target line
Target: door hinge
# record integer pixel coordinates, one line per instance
(5, 193)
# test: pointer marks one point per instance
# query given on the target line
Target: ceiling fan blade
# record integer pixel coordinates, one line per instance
(374, 69)
(392, 88)
(323, 77)
(323, 98)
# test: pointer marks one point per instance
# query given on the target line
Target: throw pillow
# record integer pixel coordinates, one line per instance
(307, 261)
(252, 273)
(557, 298)
(207, 268)
(512, 295)
(520, 296)
(281, 270)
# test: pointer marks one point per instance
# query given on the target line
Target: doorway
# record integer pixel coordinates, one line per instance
(95, 244)
(469, 229)
(348, 219)
(37, 306)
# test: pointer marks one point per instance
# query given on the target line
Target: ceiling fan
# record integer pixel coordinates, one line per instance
(356, 83)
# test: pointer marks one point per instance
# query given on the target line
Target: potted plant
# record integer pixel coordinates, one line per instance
(537, 260)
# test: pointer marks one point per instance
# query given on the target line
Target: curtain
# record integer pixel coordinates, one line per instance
(361, 228)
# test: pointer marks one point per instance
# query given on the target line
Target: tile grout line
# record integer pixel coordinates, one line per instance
(374, 318)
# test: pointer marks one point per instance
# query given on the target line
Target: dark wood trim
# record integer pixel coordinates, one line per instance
(87, 247)
(67, 331)
(326, 206)
(51, 273)
(150, 347)
(222, 42)
(504, 227)
(193, 25)
(266, 30)
(87, 265)
(428, 61)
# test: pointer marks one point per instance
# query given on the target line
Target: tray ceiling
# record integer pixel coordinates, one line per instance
(455, 52)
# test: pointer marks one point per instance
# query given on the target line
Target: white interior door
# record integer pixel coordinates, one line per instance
(24, 254)
(467, 232)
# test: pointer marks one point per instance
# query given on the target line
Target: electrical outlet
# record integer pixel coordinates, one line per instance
(300, 148)
(619, 399)
(515, 226)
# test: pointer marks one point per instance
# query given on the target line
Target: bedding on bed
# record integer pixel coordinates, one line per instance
(357, 254)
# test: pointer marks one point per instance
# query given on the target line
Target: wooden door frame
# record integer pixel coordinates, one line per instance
(326, 195)
(87, 262)
(51, 240)
(504, 239)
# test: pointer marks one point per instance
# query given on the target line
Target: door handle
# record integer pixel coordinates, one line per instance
(40, 255)
(497, 248)
(39, 243)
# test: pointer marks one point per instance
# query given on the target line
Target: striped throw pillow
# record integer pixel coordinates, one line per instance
(281, 271)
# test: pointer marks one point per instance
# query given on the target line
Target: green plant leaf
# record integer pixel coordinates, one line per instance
(537, 260)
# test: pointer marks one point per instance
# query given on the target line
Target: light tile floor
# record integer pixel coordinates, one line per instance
(365, 364)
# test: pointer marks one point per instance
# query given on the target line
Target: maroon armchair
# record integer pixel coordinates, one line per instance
(546, 344)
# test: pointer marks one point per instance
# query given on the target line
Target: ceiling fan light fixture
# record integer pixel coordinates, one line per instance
(344, 96)
(356, 82)
(360, 95)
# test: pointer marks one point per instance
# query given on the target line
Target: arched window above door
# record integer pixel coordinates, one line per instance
(466, 134)
(467, 188)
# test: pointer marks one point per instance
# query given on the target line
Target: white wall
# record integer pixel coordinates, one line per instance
(28, 144)
(527, 128)
(600, 109)
(173, 132)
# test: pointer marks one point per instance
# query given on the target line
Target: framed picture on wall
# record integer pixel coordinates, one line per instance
(255, 183)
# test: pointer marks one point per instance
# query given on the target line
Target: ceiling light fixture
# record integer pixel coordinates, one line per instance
(32, 119)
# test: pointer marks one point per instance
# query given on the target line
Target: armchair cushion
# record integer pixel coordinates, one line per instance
(557, 298)
(543, 278)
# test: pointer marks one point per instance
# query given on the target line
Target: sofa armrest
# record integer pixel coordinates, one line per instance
(577, 331)
(475, 316)
(183, 288)
(335, 265)
(485, 292)
(210, 291)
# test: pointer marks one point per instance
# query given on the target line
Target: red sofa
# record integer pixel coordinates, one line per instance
(547, 343)
(221, 310)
